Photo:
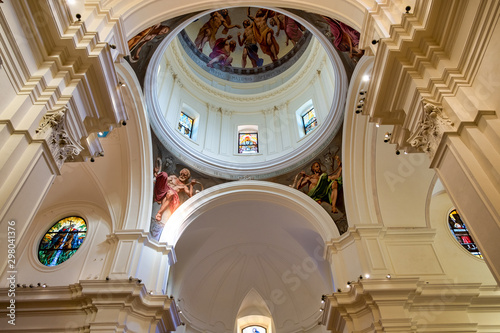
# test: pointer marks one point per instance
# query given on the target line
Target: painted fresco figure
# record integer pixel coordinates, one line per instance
(136, 43)
(292, 29)
(321, 186)
(165, 201)
(263, 33)
(346, 39)
(250, 47)
(181, 185)
(221, 53)
(209, 30)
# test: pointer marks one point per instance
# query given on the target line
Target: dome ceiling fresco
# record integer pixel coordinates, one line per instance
(277, 38)
(245, 41)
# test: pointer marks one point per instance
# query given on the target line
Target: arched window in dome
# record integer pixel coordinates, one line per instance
(62, 240)
(186, 125)
(248, 143)
(459, 230)
(309, 120)
(254, 329)
(248, 139)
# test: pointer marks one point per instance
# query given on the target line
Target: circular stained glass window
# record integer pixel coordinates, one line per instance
(459, 230)
(62, 240)
(254, 329)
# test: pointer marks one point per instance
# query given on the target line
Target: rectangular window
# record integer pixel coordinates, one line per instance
(186, 125)
(248, 143)
(309, 120)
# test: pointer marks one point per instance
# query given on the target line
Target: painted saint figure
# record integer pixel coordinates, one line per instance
(250, 47)
(263, 33)
(209, 30)
(322, 187)
(221, 53)
(136, 43)
(165, 201)
(169, 193)
(182, 185)
(293, 30)
(346, 39)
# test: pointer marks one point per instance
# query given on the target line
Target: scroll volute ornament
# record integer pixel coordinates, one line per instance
(53, 128)
(429, 130)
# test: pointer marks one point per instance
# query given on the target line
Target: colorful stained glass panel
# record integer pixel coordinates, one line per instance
(254, 329)
(186, 125)
(309, 120)
(248, 143)
(62, 240)
(459, 230)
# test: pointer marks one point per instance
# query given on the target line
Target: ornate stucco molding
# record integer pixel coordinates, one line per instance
(430, 129)
(53, 128)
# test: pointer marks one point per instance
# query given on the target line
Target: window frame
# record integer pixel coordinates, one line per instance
(245, 132)
(179, 125)
(41, 239)
(462, 232)
(304, 126)
(254, 326)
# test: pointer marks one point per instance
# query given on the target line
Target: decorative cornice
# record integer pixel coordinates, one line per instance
(378, 301)
(193, 79)
(128, 301)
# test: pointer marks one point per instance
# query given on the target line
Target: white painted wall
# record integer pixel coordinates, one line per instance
(219, 113)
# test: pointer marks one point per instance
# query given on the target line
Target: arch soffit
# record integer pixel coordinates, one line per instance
(248, 190)
(138, 15)
(138, 142)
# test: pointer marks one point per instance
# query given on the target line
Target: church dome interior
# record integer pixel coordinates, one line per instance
(243, 167)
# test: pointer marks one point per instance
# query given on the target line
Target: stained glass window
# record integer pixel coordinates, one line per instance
(459, 230)
(309, 120)
(248, 143)
(102, 134)
(254, 329)
(62, 240)
(186, 125)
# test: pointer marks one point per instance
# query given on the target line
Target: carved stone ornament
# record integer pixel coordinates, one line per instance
(62, 146)
(430, 129)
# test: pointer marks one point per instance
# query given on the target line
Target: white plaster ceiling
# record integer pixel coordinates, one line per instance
(245, 246)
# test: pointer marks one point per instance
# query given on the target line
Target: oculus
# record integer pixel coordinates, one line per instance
(62, 240)
(459, 230)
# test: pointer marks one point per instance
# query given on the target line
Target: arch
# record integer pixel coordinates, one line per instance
(142, 14)
(259, 170)
(356, 150)
(138, 142)
(281, 195)
(246, 235)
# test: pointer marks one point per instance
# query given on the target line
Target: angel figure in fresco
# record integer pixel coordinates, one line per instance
(250, 47)
(209, 30)
(346, 39)
(321, 186)
(136, 43)
(263, 33)
(221, 53)
(292, 29)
